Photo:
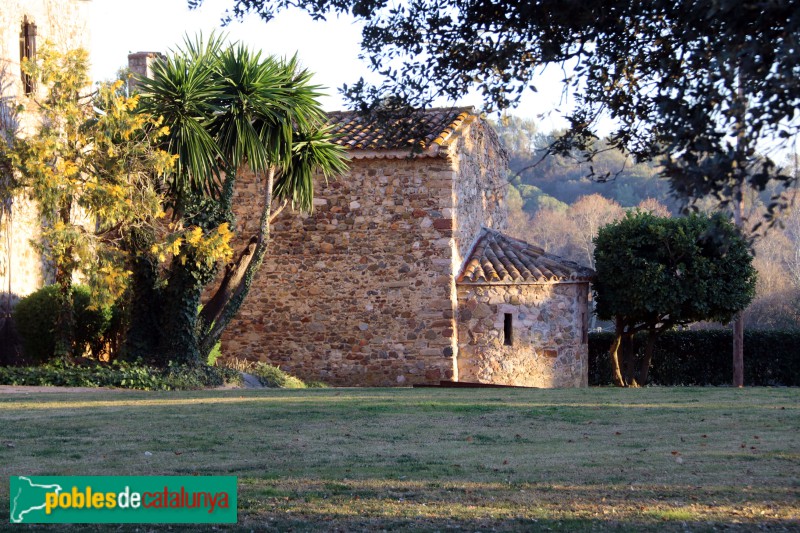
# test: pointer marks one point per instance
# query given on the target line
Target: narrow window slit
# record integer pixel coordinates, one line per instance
(508, 329)
(27, 50)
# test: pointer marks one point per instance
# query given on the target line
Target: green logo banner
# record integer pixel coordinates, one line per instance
(123, 499)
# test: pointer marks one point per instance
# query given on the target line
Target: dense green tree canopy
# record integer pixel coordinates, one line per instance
(697, 83)
(655, 273)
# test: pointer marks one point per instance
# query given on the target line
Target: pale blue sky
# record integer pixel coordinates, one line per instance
(329, 49)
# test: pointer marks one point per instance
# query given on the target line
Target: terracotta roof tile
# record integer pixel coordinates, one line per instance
(419, 131)
(497, 258)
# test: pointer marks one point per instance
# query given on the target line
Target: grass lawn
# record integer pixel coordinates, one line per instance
(657, 459)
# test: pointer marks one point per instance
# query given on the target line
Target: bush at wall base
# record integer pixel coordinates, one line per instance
(35, 315)
(120, 374)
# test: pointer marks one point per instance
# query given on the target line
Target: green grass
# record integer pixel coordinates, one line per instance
(649, 459)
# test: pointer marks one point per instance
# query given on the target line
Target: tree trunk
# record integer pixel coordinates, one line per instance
(179, 314)
(143, 338)
(738, 208)
(64, 328)
(738, 350)
(738, 320)
(616, 368)
(238, 283)
(628, 360)
(644, 364)
(234, 273)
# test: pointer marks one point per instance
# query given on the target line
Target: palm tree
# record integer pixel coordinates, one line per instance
(227, 107)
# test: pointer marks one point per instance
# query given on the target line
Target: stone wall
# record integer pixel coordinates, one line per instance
(358, 291)
(549, 345)
(65, 23)
(22, 267)
(362, 291)
(480, 191)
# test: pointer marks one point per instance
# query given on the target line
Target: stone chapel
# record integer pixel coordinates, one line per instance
(402, 275)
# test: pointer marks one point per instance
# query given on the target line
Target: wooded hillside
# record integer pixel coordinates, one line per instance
(554, 204)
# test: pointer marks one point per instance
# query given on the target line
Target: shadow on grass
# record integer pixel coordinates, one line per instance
(365, 505)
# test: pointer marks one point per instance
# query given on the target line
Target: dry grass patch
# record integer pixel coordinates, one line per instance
(431, 459)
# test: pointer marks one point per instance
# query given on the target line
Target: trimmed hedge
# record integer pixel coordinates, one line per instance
(704, 357)
(36, 313)
(120, 374)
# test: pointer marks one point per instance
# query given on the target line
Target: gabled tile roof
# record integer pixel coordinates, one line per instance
(421, 132)
(497, 258)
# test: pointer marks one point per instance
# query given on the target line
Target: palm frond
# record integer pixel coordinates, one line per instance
(312, 151)
(185, 92)
(226, 106)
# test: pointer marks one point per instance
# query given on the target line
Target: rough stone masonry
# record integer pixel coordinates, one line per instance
(362, 290)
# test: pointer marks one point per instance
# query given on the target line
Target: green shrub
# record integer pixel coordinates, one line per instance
(214, 354)
(91, 323)
(34, 317)
(182, 377)
(272, 376)
(36, 314)
(269, 375)
(704, 357)
(119, 374)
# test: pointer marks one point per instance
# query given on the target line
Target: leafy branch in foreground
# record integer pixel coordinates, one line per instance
(697, 84)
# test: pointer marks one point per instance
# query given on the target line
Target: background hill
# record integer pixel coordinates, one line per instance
(559, 203)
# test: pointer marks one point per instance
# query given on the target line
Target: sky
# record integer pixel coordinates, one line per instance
(329, 49)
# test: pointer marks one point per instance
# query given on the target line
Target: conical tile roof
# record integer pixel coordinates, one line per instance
(497, 258)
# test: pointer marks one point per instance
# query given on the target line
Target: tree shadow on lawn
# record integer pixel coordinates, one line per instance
(397, 505)
(302, 504)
